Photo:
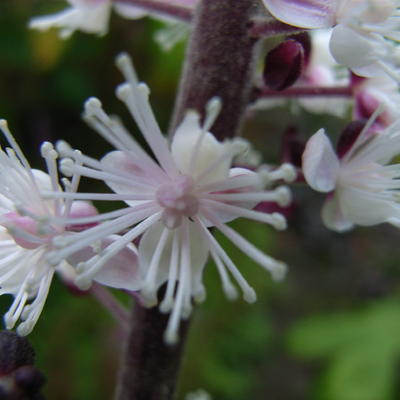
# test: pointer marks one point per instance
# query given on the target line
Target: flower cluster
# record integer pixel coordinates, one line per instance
(364, 36)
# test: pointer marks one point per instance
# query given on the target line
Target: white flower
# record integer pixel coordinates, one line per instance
(28, 224)
(365, 185)
(172, 202)
(365, 33)
(92, 16)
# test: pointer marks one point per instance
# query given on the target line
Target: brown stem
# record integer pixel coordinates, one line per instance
(164, 7)
(150, 367)
(219, 62)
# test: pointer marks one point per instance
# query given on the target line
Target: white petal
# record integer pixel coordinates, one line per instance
(120, 272)
(332, 216)
(352, 49)
(320, 163)
(366, 208)
(149, 241)
(194, 155)
(303, 13)
(87, 16)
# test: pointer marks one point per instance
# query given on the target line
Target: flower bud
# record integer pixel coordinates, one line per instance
(283, 65)
(15, 351)
(348, 137)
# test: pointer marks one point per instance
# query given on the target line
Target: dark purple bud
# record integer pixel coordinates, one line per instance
(29, 378)
(15, 351)
(349, 136)
(305, 40)
(283, 65)
(292, 147)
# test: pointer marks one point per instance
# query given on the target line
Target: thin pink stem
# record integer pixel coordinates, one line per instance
(106, 299)
(316, 91)
(183, 13)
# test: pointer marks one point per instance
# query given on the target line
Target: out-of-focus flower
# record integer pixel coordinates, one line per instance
(364, 35)
(199, 394)
(172, 202)
(370, 93)
(363, 186)
(28, 225)
(92, 16)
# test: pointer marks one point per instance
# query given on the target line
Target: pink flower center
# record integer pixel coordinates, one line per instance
(178, 200)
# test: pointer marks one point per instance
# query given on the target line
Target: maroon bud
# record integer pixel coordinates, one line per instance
(29, 379)
(349, 136)
(15, 351)
(292, 147)
(305, 40)
(283, 65)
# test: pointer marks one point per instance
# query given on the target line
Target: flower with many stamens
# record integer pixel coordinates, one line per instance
(172, 201)
(29, 224)
(365, 35)
(362, 183)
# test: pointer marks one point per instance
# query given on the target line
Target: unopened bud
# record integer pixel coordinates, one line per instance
(283, 65)
(348, 137)
(15, 352)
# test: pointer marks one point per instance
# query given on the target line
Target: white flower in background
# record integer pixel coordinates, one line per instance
(172, 201)
(370, 93)
(199, 394)
(363, 186)
(365, 35)
(92, 16)
(28, 224)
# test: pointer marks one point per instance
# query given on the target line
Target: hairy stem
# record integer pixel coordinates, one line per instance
(150, 367)
(219, 62)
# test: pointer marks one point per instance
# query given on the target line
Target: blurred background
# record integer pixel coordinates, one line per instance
(330, 331)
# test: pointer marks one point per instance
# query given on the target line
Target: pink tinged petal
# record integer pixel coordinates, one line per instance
(120, 272)
(17, 225)
(320, 163)
(332, 216)
(303, 13)
(122, 161)
(195, 150)
(81, 209)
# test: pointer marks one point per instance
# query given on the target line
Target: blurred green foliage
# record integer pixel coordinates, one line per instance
(331, 331)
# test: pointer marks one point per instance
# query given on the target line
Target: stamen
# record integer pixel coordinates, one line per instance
(149, 290)
(277, 220)
(277, 269)
(249, 294)
(168, 301)
(136, 98)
